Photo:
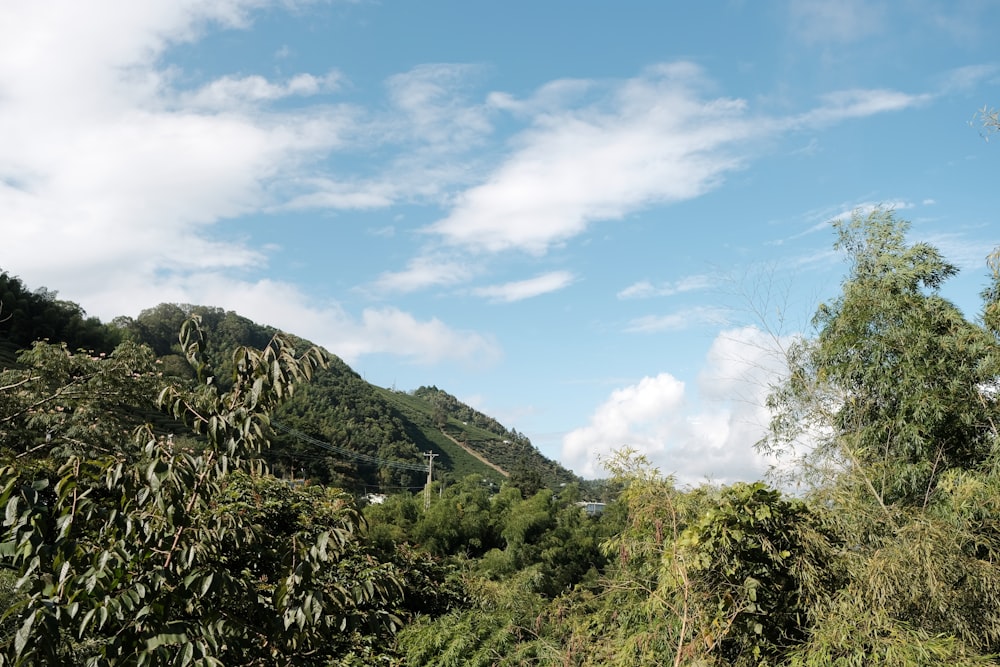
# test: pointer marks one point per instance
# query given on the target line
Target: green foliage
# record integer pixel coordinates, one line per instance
(746, 568)
(138, 553)
(124, 547)
(339, 407)
(501, 627)
(711, 575)
(28, 316)
(895, 376)
(460, 521)
(512, 451)
(896, 397)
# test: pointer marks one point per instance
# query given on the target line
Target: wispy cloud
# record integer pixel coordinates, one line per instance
(858, 103)
(618, 147)
(645, 289)
(431, 98)
(231, 92)
(966, 253)
(682, 319)
(423, 272)
(963, 79)
(527, 289)
(645, 140)
(836, 22)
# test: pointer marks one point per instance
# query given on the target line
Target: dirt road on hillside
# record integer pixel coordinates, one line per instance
(479, 456)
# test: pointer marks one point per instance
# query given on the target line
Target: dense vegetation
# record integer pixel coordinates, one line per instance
(122, 545)
(339, 407)
(27, 316)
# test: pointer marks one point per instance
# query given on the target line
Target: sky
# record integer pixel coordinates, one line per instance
(597, 222)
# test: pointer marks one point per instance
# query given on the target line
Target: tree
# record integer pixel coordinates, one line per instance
(895, 402)
(990, 120)
(892, 388)
(122, 553)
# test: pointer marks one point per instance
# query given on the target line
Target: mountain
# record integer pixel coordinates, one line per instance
(337, 429)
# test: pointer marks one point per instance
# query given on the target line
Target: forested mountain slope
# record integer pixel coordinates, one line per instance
(375, 438)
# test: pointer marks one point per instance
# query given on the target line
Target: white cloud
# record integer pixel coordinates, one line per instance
(706, 434)
(101, 172)
(423, 272)
(858, 103)
(439, 115)
(650, 139)
(683, 319)
(867, 207)
(111, 177)
(527, 289)
(600, 151)
(113, 174)
(229, 92)
(645, 289)
(965, 79)
(836, 21)
(640, 416)
(431, 341)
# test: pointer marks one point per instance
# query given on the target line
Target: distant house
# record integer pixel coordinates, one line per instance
(592, 508)
(375, 498)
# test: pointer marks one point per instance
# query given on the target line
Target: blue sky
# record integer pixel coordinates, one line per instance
(597, 222)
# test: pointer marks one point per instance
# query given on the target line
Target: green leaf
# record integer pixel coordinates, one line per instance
(165, 639)
(23, 634)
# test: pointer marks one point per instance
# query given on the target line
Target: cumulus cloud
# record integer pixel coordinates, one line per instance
(527, 289)
(642, 416)
(707, 433)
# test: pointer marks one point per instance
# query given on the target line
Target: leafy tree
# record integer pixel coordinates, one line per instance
(895, 399)
(892, 387)
(461, 521)
(27, 316)
(122, 553)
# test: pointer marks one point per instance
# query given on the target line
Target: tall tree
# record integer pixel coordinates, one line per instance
(133, 552)
(893, 386)
(896, 405)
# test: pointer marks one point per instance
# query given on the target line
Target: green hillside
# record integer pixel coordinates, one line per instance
(337, 430)
(502, 446)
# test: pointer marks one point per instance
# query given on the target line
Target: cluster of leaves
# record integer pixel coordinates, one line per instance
(140, 550)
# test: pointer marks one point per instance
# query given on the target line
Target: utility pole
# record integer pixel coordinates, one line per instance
(430, 478)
